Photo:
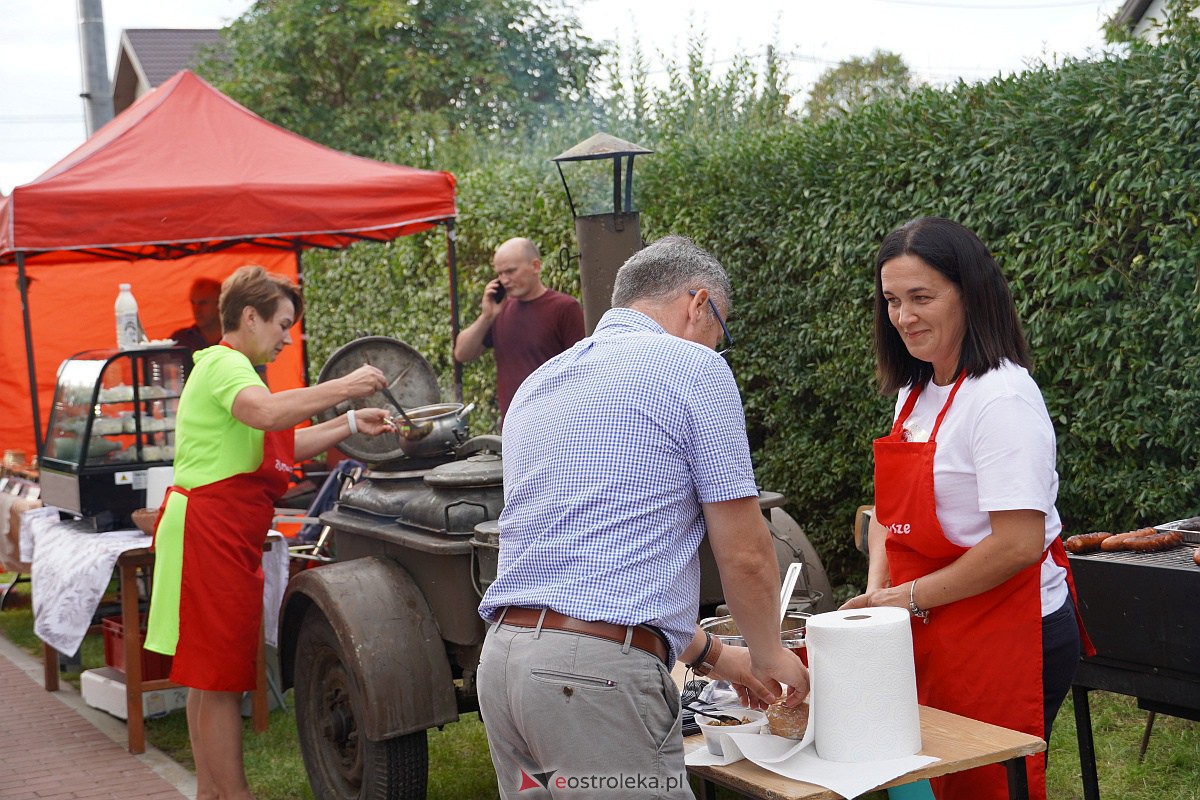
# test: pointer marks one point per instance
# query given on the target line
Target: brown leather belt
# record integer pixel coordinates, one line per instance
(643, 637)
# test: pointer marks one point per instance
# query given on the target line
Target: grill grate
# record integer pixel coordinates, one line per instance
(1177, 558)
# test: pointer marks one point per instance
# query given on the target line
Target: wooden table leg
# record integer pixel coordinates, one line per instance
(130, 619)
(49, 667)
(258, 699)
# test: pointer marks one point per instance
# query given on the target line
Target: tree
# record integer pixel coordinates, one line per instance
(390, 79)
(856, 82)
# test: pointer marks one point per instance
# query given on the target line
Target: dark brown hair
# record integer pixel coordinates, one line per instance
(253, 286)
(993, 332)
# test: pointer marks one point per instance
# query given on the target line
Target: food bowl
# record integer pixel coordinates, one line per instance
(144, 519)
(712, 729)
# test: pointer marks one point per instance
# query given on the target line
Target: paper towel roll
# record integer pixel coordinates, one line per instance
(864, 684)
(158, 480)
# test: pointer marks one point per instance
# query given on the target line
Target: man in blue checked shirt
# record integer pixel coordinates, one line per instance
(620, 454)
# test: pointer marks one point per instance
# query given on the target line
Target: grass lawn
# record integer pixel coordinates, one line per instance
(460, 769)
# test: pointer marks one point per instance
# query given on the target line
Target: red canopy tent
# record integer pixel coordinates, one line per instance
(184, 183)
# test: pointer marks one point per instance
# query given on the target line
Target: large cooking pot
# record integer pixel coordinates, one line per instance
(439, 428)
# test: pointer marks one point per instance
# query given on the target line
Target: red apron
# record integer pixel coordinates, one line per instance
(221, 588)
(980, 657)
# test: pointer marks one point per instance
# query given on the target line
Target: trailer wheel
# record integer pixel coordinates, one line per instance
(342, 764)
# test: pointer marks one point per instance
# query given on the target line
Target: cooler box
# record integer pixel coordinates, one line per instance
(154, 665)
(104, 688)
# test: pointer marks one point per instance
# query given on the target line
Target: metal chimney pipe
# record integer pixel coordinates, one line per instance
(97, 91)
(606, 240)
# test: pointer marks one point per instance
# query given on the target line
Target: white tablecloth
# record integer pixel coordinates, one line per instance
(72, 567)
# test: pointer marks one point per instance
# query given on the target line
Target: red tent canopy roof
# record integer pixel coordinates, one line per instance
(186, 170)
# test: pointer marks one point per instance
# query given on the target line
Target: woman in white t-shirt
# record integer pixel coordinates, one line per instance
(965, 532)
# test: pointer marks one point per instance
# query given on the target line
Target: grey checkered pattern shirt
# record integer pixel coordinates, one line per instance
(609, 451)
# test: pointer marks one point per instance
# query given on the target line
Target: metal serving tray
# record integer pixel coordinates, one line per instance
(1190, 528)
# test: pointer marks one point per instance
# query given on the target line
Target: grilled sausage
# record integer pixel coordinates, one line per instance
(1117, 541)
(1154, 542)
(1085, 542)
(1196, 556)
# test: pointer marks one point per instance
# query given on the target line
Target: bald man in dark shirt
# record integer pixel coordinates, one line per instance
(527, 323)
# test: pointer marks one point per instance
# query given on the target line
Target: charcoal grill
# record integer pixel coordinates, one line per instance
(1139, 609)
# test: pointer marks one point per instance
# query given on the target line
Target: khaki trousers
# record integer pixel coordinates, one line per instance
(575, 717)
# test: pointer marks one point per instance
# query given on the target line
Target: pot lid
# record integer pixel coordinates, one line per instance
(411, 380)
(484, 469)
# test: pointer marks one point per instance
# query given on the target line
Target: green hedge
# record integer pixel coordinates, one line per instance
(1083, 179)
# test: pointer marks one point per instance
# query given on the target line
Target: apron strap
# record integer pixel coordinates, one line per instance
(911, 402)
(942, 414)
(1059, 554)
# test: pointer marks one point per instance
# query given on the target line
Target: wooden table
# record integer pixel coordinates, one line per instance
(960, 744)
(129, 565)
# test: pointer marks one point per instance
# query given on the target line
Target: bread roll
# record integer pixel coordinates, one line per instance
(787, 721)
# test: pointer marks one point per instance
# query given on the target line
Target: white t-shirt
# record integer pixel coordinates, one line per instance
(996, 452)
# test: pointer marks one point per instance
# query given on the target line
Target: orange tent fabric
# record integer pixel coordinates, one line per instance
(184, 183)
(71, 307)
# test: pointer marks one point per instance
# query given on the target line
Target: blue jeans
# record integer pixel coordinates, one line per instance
(1060, 656)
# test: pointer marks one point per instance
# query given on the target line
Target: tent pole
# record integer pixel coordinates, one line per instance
(23, 287)
(452, 260)
(303, 333)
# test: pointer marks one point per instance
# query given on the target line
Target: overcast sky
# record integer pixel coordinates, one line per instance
(41, 114)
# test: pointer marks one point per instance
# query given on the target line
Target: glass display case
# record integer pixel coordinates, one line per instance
(113, 418)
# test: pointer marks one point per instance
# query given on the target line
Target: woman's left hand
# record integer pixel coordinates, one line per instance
(373, 421)
(887, 596)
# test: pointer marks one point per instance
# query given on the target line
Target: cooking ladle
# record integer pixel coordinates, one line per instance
(412, 430)
(717, 717)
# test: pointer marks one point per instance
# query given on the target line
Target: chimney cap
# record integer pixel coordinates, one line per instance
(601, 145)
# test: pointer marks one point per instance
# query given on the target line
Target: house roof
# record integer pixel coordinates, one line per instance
(1131, 13)
(148, 57)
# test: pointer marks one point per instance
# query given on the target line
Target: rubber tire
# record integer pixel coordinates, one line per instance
(340, 764)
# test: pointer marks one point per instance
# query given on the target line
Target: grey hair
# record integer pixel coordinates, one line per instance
(673, 264)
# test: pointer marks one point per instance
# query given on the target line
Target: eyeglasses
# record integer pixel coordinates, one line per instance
(721, 322)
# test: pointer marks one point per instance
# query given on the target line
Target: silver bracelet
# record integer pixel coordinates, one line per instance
(914, 609)
(352, 422)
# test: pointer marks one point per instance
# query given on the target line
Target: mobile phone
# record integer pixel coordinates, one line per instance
(498, 293)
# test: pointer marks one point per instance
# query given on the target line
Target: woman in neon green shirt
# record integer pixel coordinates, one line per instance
(235, 446)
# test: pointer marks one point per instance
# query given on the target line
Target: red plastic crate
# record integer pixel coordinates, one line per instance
(154, 665)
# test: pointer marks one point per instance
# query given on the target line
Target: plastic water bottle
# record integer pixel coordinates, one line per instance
(128, 328)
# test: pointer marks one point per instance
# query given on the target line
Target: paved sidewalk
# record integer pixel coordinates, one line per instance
(53, 746)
